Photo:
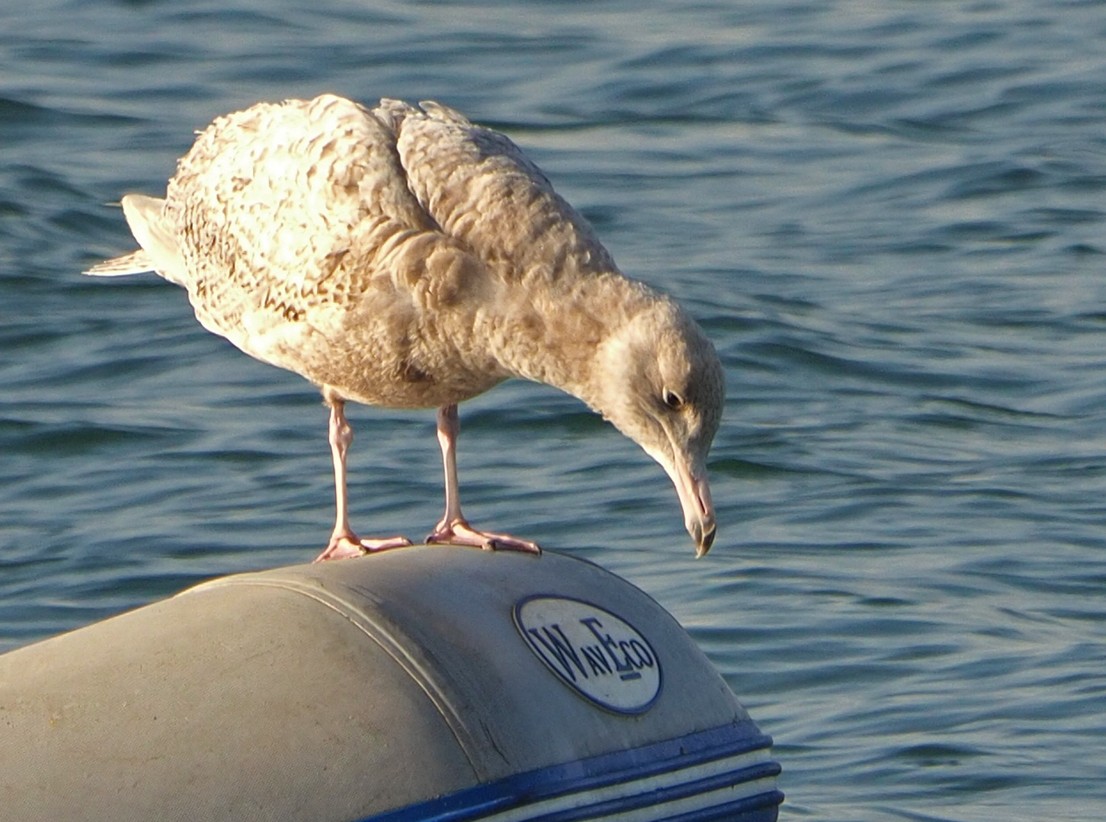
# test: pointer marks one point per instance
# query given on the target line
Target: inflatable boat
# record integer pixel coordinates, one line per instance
(427, 683)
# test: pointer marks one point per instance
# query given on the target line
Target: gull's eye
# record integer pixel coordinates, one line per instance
(672, 399)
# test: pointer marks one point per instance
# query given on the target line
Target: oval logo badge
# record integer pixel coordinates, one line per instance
(600, 656)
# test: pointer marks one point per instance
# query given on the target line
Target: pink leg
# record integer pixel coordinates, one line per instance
(454, 528)
(343, 542)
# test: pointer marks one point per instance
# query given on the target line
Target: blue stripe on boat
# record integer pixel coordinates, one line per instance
(535, 795)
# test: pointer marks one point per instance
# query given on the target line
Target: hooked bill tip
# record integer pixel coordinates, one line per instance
(705, 542)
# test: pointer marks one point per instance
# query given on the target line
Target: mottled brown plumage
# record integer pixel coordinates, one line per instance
(405, 257)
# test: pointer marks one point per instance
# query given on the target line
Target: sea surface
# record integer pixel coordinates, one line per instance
(891, 219)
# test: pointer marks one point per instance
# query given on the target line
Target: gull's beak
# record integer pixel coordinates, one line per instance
(694, 492)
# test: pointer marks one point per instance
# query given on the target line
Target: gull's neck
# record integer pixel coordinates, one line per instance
(553, 334)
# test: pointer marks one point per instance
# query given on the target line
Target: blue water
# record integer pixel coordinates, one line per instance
(890, 219)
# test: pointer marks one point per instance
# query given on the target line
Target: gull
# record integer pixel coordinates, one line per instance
(402, 256)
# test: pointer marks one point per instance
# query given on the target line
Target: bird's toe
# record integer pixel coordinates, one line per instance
(346, 546)
(459, 532)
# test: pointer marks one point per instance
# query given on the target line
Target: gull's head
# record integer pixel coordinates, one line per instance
(659, 381)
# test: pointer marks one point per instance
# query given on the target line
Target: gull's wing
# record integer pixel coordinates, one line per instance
(480, 188)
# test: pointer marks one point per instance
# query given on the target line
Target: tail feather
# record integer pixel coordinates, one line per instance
(137, 262)
(159, 253)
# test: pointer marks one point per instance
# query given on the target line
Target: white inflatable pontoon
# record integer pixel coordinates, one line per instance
(426, 683)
